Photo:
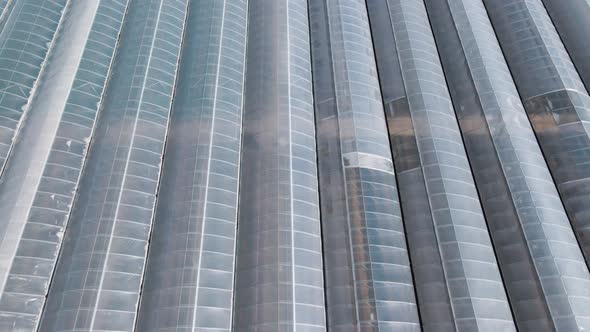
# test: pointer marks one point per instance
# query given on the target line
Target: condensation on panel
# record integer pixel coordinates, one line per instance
(28, 31)
(476, 291)
(555, 100)
(44, 166)
(572, 21)
(189, 275)
(526, 217)
(368, 278)
(99, 272)
(279, 277)
(432, 292)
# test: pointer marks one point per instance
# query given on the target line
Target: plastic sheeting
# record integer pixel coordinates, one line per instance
(471, 274)
(189, 279)
(28, 31)
(430, 283)
(527, 220)
(555, 99)
(42, 172)
(279, 277)
(569, 18)
(368, 278)
(3, 5)
(238, 242)
(100, 269)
